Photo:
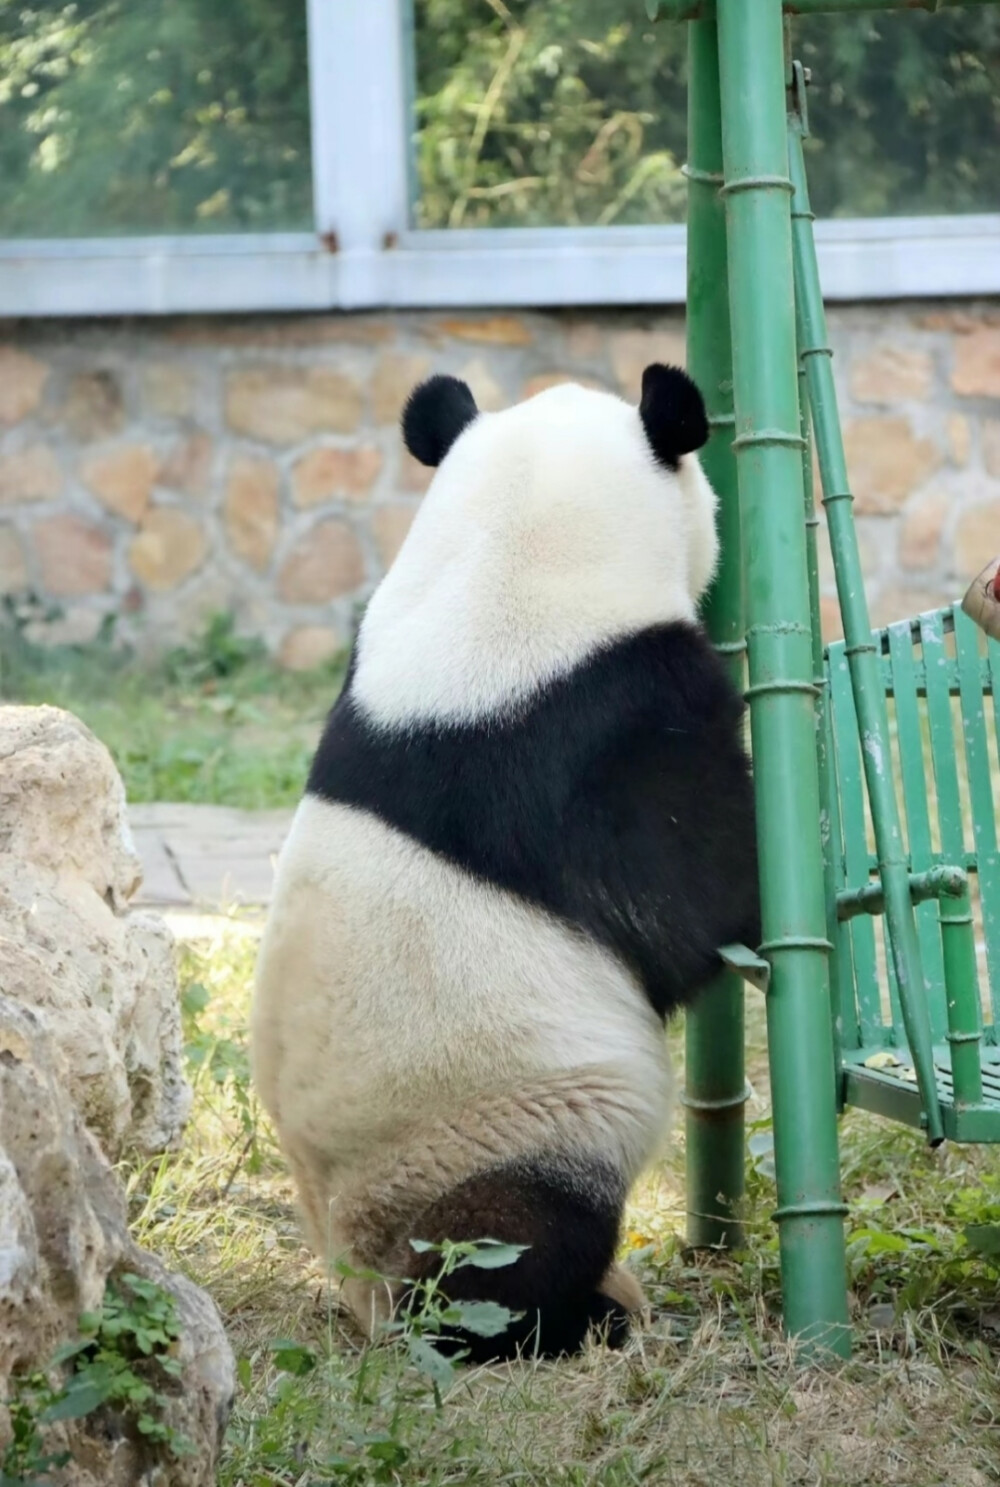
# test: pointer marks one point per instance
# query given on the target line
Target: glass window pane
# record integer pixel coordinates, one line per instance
(572, 112)
(120, 117)
(547, 113)
(904, 112)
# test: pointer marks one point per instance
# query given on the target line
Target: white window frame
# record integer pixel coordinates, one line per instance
(364, 254)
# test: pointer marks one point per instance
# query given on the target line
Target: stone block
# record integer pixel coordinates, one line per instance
(396, 375)
(168, 548)
(413, 476)
(326, 563)
(251, 509)
(632, 351)
(390, 525)
(122, 479)
(920, 541)
(891, 374)
(188, 466)
(308, 646)
(74, 555)
(977, 538)
(22, 382)
(990, 434)
(886, 462)
(976, 372)
(486, 390)
(488, 330)
(95, 407)
(896, 602)
(326, 474)
(29, 474)
(959, 438)
(544, 380)
(283, 405)
(168, 390)
(13, 567)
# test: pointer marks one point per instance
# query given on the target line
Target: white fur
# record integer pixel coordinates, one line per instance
(393, 990)
(548, 530)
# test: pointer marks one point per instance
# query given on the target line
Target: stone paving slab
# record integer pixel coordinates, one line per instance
(206, 856)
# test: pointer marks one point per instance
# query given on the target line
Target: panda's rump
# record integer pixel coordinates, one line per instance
(393, 986)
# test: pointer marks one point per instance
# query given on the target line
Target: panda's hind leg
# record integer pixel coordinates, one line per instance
(566, 1210)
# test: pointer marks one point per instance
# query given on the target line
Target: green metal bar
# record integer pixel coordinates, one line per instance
(782, 695)
(830, 839)
(700, 10)
(981, 805)
(937, 882)
(860, 647)
(918, 821)
(868, 1011)
(965, 1030)
(715, 1077)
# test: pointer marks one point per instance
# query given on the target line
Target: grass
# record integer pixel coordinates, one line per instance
(710, 1394)
(215, 721)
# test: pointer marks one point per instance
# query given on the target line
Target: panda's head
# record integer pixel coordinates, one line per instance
(549, 529)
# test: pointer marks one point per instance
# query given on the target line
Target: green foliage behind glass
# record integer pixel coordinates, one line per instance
(183, 115)
(562, 111)
(186, 115)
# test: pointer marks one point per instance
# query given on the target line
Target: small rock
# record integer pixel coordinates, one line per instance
(30, 474)
(282, 405)
(324, 564)
(334, 474)
(170, 547)
(22, 382)
(74, 556)
(122, 479)
(251, 509)
(308, 646)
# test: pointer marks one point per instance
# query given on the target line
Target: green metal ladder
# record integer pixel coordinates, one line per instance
(838, 736)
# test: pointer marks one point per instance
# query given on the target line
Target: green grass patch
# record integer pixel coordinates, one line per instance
(710, 1393)
(215, 721)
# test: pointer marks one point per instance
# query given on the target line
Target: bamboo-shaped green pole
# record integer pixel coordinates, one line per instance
(715, 1080)
(860, 648)
(779, 648)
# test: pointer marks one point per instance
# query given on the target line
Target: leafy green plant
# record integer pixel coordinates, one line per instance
(124, 1358)
(431, 1315)
(25, 1462)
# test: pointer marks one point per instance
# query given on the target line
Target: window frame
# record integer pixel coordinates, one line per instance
(364, 254)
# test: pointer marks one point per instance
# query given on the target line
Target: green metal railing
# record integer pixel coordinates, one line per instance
(842, 875)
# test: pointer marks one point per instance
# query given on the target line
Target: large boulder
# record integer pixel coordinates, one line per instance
(63, 1238)
(103, 981)
(90, 1069)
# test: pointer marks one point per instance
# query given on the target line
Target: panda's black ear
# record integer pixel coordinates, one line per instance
(436, 412)
(673, 413)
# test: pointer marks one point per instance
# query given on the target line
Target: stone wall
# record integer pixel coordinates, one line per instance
(162, 470)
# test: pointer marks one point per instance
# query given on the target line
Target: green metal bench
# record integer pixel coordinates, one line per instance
(873, 760)
(941, 679)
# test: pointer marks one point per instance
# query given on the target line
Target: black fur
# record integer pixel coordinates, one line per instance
(436, 412)
(568, 1212)
(673, 414)
(619, 798)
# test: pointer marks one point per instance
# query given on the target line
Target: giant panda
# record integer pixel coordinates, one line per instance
(527, 830)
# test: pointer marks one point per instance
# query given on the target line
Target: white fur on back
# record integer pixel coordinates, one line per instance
(392, 987)
(548, 530)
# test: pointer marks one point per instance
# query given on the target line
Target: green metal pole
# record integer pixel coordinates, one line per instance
(782, 695)
(860, 649)
(961, 979)
(829, 818)
(715, 1079)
